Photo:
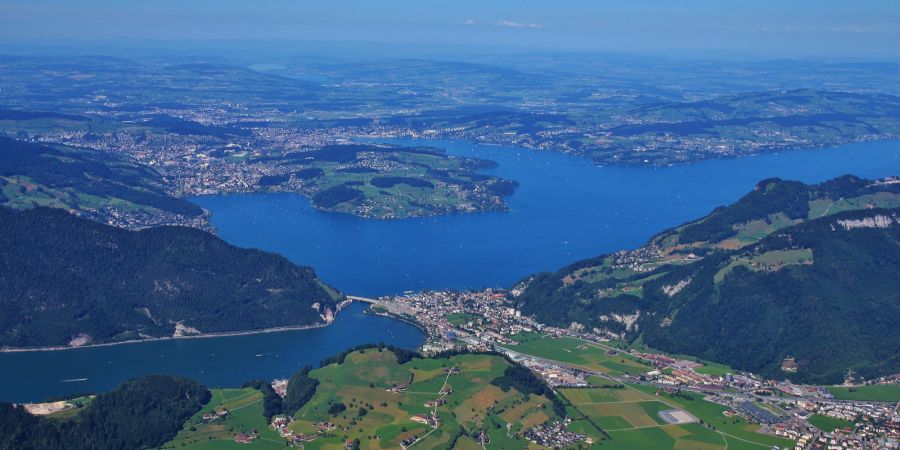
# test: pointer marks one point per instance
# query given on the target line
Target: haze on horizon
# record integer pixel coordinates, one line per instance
(829, 29)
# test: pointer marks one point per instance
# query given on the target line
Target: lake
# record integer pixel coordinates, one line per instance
(215, 361)
(565, 209)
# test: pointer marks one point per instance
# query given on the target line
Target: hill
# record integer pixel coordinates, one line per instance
(744, 124)
(89, 183)
(377, 397)
(141, 413)
(780, 272)
(387, 181)
(66, 280)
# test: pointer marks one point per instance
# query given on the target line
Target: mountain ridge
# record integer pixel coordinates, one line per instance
(799, 238)
(72, 281)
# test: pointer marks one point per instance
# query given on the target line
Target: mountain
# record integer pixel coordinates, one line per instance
(66, 280)
(789, 270)
(90, 183)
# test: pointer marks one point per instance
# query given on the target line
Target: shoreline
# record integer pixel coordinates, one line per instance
(169, 338)
(340, 307)
(400, 318)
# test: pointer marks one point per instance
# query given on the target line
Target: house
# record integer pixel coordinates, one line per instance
(280, 421)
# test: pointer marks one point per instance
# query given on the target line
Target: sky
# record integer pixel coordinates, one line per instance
(861, 29)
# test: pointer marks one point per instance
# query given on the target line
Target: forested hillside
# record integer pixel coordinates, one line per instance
(65, 280)
(141, 413)
(824, 292)
(790, 270)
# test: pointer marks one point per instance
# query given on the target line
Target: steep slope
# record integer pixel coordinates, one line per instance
(67, 280)
(776, 274)
(825, 292)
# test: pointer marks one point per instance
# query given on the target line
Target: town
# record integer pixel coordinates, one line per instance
(488, 321)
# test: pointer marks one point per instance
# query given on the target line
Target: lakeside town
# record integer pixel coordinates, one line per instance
(487, 321)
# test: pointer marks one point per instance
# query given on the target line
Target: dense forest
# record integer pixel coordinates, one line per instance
(837, 313)
(63, 277)
(141, 413)
(300, 389)
(336, 195)
(751, 306)
(527, 382)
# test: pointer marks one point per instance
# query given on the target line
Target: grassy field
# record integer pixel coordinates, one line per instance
(676, 437)
(461, 318)
(822, 207)
(362, 381)
(738, 432)
(714, 369)
(631, 418)
(246, 415)
(828, 424)
(878, 392)
(22, 192)
(769, 261)
(378, 418)
(758, 229)
(582, 354)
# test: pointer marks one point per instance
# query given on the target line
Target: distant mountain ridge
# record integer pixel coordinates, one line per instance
(789, 270)
(66, 280)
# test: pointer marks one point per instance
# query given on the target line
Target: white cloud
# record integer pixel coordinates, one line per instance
(511, 24)
(469, 22)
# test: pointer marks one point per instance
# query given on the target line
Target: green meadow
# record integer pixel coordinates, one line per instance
(828, 424)
(875, 393)
(363, 382)
(583, 354)
(246, 415)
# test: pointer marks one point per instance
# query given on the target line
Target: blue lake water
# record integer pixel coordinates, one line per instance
(565, 209)
(215, 361)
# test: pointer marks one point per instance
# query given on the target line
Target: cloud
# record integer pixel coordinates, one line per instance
(469, 22)
(511, 24)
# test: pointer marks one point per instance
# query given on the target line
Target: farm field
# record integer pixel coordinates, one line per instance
(877, 393)
(678, 437)
(364, 381)
(629, 416)
(631, 419)
(738, 432)
(580, 353)
(245, 408)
